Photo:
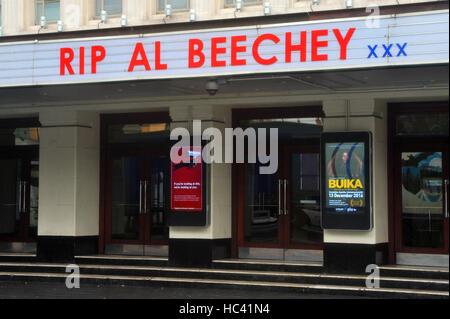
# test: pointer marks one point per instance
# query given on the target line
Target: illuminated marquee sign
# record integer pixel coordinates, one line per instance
(404, 39)
(346, 180)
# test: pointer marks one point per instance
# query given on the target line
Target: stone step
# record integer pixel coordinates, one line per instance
(415, 272)
(228, 284)
(232, 274)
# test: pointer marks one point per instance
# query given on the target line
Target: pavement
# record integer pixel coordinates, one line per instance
(54, 290)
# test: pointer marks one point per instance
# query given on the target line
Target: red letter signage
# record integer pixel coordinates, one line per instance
(195, 50)
(64, 62)
(256, 45)
(96, 58)
(315, 44)
(343, 42)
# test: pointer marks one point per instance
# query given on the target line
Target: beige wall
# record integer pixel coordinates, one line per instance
(220, 186)
(18, 16)
(69, 158)
(363, 115)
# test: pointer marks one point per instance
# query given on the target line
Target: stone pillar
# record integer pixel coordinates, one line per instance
(69, 158)
(74, 13)
(352, 251)
(198, 246)
(135, 10)
(13, 18)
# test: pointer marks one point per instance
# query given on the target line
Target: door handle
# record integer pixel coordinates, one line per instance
(446, 198)
(279, 198)
(20, 196)
(145, 197)
(24, 207)
(140, 197)
(286, 212)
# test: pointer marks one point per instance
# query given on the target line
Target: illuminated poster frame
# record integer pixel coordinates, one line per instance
(190, 212)
(346, 180)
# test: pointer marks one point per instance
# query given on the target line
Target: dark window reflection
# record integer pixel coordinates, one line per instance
(305, 199)
(422, 205)
(422, 124)
(261, 206)
(159, 230)
(126, 174)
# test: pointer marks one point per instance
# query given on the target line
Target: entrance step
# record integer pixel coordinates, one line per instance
(257, 264)
(122, 260)
(228, 284)
(415, 272)
(17, 257)
(231, 274)
(98, 270)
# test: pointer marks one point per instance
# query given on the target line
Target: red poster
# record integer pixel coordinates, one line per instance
(186, 181)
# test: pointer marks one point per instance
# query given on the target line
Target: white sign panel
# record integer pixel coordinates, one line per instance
(407, 39)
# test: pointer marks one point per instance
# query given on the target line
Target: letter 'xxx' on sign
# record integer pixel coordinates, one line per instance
(98, 54)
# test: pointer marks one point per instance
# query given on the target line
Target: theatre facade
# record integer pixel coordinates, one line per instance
(86, 116)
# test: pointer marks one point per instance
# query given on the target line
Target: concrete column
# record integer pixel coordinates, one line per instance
(354, 250)
(69, 158)
(197, 246)
(13, 19)
(135, 10)
(74, 13)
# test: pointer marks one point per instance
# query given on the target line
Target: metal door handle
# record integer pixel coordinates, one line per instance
(279, 198)
(24, 197)
(20, 196)
(145, 197)
(140, 197)
(285, 197)
(446, 198)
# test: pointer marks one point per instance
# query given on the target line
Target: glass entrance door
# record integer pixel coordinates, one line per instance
(422, 211)
(10, 199)
(280, 213)
(303, 225)
(262, 208)
(136, 203)
(19, 185)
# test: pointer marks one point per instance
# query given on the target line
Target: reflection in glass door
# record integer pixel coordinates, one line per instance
(19, 182)
(10, 195)
(280, 213)
(424, 202)
(261, 206)
(137, 204)
(304, 200)
(159, 232)
(126, 194)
